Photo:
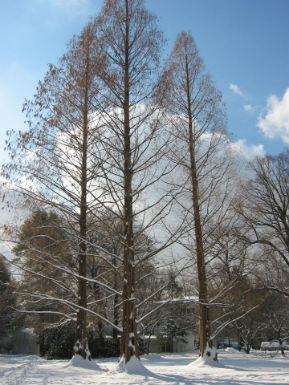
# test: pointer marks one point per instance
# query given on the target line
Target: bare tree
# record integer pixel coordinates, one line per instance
(52, 161)
(265, 206)
(135, 142)
(197, 120)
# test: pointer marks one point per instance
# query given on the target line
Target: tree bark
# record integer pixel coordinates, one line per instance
(81, 344)
(204, 326)
(129, 342)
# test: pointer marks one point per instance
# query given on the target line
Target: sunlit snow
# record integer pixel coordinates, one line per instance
(233, 368)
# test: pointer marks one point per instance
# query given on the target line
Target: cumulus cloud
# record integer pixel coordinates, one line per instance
(275, 121)
(248, 152)
(236, 89)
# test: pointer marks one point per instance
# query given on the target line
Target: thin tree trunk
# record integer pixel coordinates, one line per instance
(129, 342)
(81, 345)
(204, 322)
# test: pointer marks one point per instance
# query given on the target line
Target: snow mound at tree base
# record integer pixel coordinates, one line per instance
(78, 362)
(133, 366)
(209, 359)
(204, 361)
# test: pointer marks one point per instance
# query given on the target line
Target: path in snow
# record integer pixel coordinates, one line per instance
(170, 369)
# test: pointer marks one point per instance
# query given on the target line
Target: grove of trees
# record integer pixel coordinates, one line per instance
(128, 175)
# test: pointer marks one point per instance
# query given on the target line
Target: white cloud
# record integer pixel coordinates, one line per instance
(275, 122)
(248, 107)
(249, 152)
(236, 89)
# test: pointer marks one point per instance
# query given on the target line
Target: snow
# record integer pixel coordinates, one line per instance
(134, 366)
(233, 368)
(78, 362)
(207, 360)
(231, 350)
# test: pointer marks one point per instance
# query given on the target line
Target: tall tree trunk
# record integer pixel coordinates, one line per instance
(81, 344)
(129, 342)
(204, 321)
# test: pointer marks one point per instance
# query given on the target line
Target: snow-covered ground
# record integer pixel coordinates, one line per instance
(234, 368)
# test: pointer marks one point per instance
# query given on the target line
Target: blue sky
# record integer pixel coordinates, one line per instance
(244, 45)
